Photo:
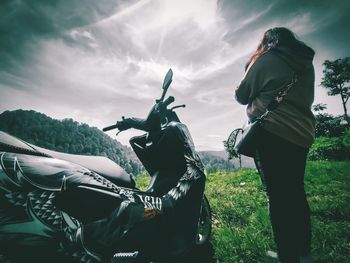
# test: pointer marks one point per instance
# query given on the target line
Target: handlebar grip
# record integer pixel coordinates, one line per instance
(168, 101)
(110, 127)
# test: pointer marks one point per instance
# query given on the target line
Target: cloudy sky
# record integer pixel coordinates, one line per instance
(95, 61)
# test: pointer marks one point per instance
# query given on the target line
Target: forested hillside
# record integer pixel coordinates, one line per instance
(67, 136)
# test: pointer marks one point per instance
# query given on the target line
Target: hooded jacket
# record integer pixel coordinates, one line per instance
(293, 119)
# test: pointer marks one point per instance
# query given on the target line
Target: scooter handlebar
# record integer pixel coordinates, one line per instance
(122, 125)
(110, 127)
(168, 101)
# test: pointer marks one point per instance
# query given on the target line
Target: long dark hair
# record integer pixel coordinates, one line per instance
(277, 36)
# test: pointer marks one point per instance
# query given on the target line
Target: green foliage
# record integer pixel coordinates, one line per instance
(230, 143)
(143, 181)
(67, 136)
(336, 78)
(319, 107)
(328, 185)
(241, 228)
(328, 125)
(331, 148)
(242, 231)
(229, 148)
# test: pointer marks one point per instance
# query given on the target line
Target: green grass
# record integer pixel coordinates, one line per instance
(241, 230)
(241, 225)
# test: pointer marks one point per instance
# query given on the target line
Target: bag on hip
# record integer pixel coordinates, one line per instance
(249, 138)
(245, 140)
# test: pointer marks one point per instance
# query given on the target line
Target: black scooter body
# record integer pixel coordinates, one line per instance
(31, 183)
(67, 205)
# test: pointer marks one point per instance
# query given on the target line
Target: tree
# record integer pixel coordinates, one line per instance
(327, 124)
(336, 79)
(319, 107)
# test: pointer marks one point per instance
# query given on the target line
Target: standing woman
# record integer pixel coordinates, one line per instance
(286, 137)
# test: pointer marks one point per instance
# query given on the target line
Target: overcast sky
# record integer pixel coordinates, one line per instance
(95, 61)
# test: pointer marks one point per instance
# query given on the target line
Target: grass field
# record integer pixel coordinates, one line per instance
(241, 226)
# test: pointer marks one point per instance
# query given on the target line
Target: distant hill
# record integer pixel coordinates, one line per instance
(218, 161)
(67, 136)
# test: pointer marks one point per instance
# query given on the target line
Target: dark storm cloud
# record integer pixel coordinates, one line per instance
(24, 23)
(324, 18)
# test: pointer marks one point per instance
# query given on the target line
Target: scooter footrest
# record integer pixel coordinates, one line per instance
(125, 257)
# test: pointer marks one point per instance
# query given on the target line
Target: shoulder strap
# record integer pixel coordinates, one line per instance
(282, 93)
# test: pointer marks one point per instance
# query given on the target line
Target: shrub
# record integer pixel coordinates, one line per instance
(328, 125)
(331, 148)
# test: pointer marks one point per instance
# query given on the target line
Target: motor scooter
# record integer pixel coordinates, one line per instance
(57, 207)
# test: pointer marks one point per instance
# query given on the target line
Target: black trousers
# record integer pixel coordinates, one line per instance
(281, 165)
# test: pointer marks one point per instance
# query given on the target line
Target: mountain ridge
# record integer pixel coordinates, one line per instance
(67, 136)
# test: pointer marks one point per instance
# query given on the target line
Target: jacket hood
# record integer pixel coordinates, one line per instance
(298, 58)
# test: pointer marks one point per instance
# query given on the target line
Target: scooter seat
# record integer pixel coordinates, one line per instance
(99, 164)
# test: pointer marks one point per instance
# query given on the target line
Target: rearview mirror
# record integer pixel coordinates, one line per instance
(168, 79)
(166, 83)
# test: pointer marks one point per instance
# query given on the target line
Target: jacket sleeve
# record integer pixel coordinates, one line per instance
(242, 93)
(251, 83)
